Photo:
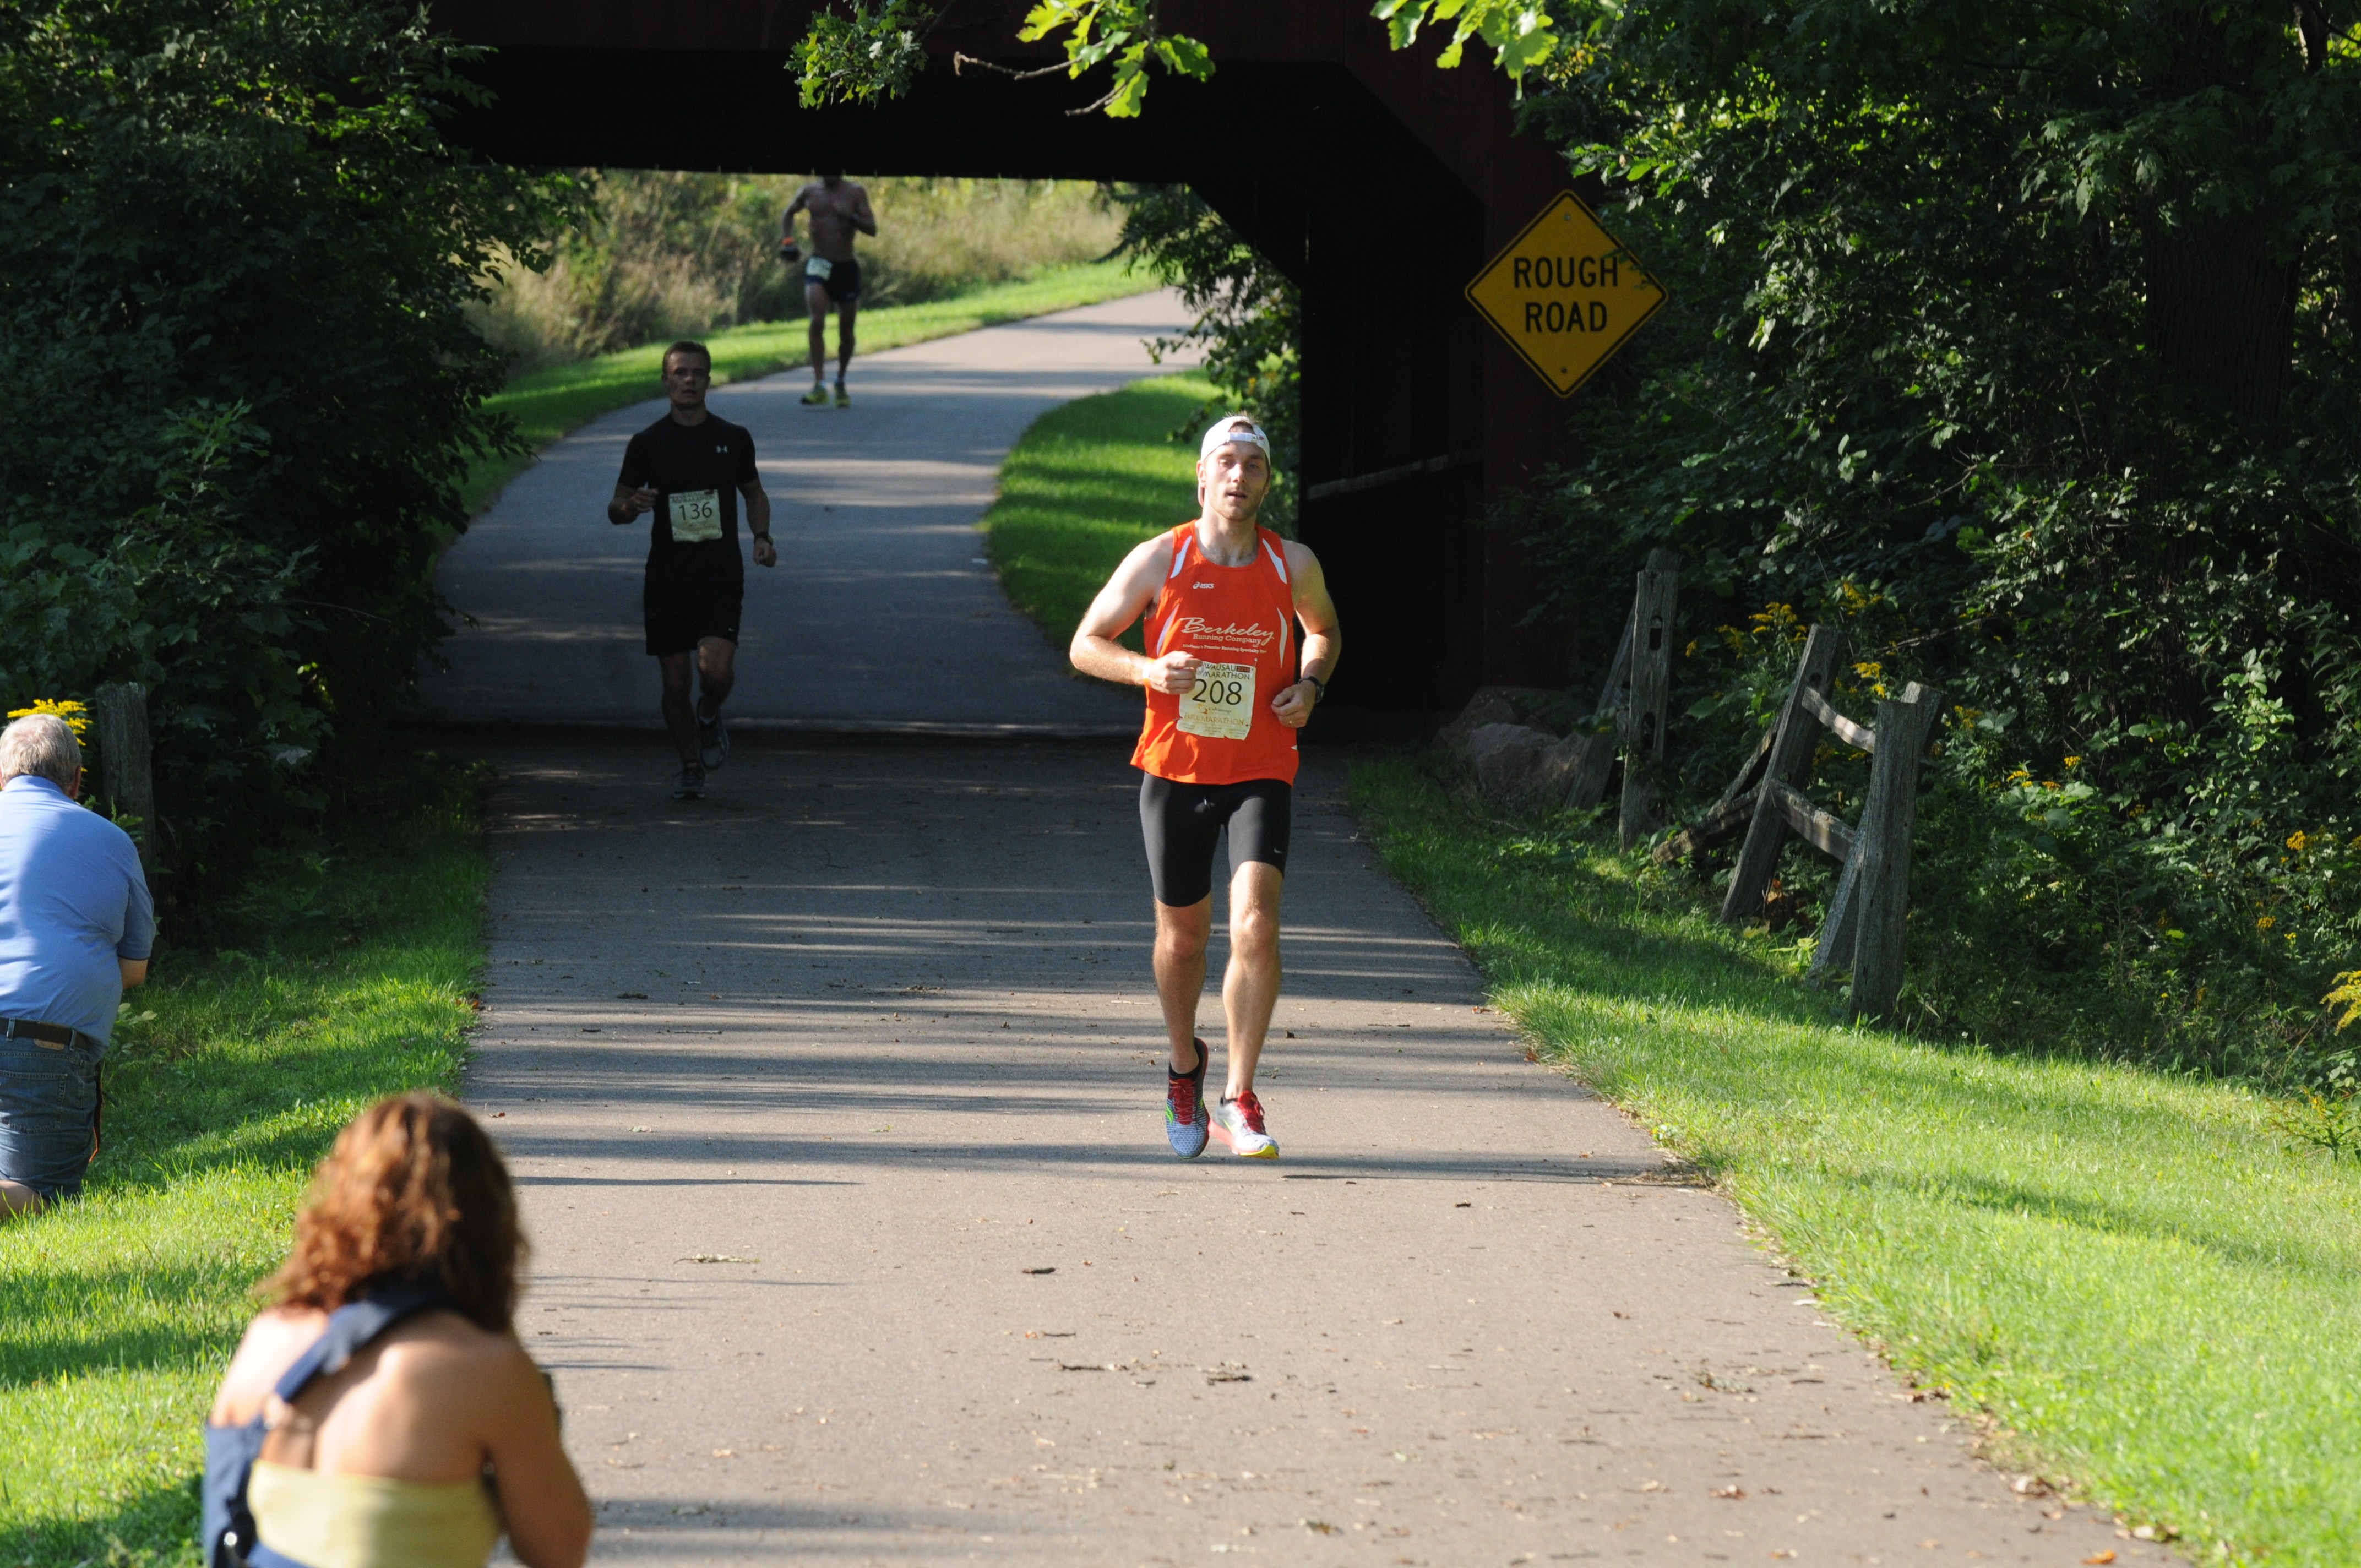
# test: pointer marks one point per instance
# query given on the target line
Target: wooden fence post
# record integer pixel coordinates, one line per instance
(1791, 749)
(125, 765)
(1881, 892)
(1598, 749)
(1653, 601)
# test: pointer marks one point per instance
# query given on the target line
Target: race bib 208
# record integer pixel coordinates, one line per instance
(1221, 705)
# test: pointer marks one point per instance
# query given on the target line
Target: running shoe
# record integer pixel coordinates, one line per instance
(712, 741)
(1239, 1123)
(690, 785)
(1185, 1108)
(843, 398)
(817, 397)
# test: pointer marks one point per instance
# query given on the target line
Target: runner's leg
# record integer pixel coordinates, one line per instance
(1180, 935)
(679, 718)
(717, 672)
(1179, 827)
(815, 306)
(844, 338)
(1250, 986)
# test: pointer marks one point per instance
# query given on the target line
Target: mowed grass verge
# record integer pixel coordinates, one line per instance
(351, 976)
(2144, 1291)
(548, 403)
(1089, 480)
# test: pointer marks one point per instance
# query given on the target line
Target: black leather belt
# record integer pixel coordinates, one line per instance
(51, 1033)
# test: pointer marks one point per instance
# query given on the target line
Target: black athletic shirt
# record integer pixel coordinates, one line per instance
(685, 461)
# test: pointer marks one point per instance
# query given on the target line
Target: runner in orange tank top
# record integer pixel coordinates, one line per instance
(1228, 683)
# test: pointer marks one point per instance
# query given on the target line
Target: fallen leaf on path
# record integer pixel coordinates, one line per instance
(1732, 1492)
(2106, 1556)
(725, 1453)
(1319, 1526)
(714, 1258)
(1037, 1271)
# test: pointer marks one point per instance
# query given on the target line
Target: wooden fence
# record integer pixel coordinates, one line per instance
(1863, 928)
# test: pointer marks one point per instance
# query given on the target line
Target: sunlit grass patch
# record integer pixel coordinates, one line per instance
(352, 978)
(2131, 1274)
(1089, 480)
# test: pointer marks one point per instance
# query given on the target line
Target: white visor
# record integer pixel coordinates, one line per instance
(1234, 428)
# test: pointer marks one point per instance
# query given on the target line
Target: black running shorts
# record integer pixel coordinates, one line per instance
(1181, 822)
(682, 610)
(842, 283)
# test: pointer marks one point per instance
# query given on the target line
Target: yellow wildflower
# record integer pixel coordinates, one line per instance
(76, 716)
(2265, 922)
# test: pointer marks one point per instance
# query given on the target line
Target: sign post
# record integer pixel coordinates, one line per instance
(1564, 294)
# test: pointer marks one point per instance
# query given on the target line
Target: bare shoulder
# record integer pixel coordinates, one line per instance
(1299, 558)
(269, 1347)
(447, 1341)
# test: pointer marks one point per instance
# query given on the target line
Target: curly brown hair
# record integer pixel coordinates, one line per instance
(413, 1191)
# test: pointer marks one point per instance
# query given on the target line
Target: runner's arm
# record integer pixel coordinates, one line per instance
(1323, 640)
(1127, 594)
(758, 521)
(863, 217)
(629, 502)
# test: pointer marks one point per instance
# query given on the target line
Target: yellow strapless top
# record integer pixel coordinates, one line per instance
(326, 1520)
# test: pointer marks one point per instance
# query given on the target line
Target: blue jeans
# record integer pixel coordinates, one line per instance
(49, 1114)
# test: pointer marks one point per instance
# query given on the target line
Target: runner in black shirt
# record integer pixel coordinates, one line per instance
(689, 468)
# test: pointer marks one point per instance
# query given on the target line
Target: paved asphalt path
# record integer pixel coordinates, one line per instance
(834, 1101)
(880, 612)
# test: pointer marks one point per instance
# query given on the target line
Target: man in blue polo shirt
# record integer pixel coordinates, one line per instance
(76, 926)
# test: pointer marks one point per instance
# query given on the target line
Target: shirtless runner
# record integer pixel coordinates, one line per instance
(1228, 688)
(838, 207)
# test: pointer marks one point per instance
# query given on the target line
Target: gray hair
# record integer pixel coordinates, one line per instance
(41, 744)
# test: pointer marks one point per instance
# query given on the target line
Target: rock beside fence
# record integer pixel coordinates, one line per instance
(1514, 738)
(1518, 765)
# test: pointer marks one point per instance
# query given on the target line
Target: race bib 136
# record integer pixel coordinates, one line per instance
(696, 516)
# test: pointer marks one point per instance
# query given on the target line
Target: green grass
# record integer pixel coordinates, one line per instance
(2128, 1274)
(548, 403)
(1090, 480)
(351, 977)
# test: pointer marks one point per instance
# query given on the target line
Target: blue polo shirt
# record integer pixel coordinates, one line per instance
(72, 901)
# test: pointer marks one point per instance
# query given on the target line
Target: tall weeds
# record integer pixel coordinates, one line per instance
(658, 255)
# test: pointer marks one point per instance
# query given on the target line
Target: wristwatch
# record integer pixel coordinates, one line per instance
(1319, 687)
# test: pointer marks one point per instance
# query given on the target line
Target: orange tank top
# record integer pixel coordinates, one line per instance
(1241, 621)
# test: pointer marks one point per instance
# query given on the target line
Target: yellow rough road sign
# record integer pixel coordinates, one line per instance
(1564, 294)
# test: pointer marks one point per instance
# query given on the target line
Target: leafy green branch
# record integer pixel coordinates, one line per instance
(872, 54)
(866, 58)
(1519, 32)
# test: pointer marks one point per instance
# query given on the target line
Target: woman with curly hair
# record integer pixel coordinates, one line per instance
(438, 1434)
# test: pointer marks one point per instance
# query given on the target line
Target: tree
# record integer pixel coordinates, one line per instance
(238, 383)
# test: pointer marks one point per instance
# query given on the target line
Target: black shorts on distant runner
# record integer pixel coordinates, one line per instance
(842, 283)
(1181, 822)
(682, 611)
